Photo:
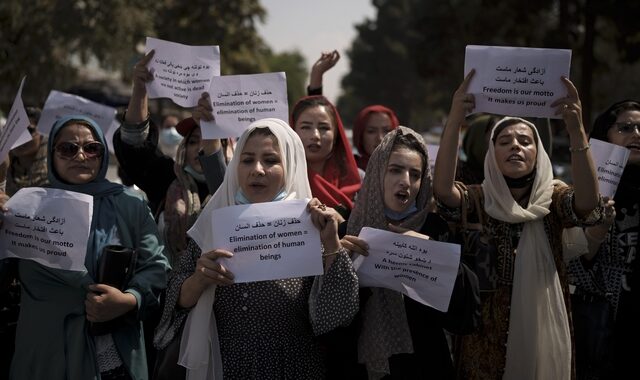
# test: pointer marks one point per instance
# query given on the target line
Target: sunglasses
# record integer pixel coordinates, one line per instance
(69, 150)
(627, 128)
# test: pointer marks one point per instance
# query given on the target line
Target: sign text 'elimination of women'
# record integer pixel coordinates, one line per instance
(269, 241)
(49, 226)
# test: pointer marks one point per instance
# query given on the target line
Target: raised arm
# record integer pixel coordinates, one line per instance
(138, 108)
(326, 61)
(447, 159)
(582, 168)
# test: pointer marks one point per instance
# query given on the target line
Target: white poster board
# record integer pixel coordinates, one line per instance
(517, 81)
(424, 270)
(239, 100)
(269, 241)
(15, 133)
(181, 72)
(49, 226)
(609, 160)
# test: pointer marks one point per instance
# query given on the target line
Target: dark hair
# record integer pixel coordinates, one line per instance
(507, 123)
(33, 113)
(410, 142)
(606, 119)
(310, 102)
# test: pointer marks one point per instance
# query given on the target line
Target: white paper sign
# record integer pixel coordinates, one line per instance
(424, 270)
(609, 160)
(181, 72)
(239, 100)
(61, 104)
(14, 133)
(517, 81)
(432, 151)
(49, 226)
(270, 241)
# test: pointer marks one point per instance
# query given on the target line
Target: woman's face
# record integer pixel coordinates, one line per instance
(624, 133)
(516, 151)
(378, 125)
(317, 132)
(83, 167)
(261, 170)
(402, 179)
(193, 147)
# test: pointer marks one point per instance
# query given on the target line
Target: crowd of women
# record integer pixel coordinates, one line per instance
(182, 316)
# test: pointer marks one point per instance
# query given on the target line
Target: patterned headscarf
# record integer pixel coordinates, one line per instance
(385, 329)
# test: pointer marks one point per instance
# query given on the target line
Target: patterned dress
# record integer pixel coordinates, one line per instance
(267, 329)
(482, 355)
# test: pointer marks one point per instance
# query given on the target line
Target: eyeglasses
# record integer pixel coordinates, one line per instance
(627, 128)
(69, 150)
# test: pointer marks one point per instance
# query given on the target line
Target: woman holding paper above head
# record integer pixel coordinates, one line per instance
(332, 170)
(175, 189)
(396, 336)
(605, 302)
(526, 330)
(59, 304)
(264, 329)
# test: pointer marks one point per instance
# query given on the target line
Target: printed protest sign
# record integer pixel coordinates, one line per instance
(609, 160)
(517, 81)
(15, 133)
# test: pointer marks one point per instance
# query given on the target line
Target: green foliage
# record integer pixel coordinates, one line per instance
(294, 64)
(411, 56)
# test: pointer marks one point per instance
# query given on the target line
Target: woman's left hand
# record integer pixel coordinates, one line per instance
(570, 107)
(104, 303)
(326, 220)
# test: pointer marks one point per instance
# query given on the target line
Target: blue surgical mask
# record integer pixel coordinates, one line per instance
(394, 215)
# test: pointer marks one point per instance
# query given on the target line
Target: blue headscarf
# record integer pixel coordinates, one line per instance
(103, 223)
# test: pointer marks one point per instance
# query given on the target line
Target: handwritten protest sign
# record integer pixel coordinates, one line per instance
(517, 81)
(181, 72)
(610, 160)
(270, 241)
(61, 104)
(424, 270)
(239, 100)
(49, 226)
(15, 133)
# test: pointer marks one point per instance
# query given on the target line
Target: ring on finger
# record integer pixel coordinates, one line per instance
(202, 270)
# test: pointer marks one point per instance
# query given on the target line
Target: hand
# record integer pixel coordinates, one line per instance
(407, 232)
(204, 109)
(462, 103)
(326, 61)
(211, 272)
(326, 220)
(141, 74)
(3, 209)
(609, 212)
(104, 303)
(570, 107)
(355, 245)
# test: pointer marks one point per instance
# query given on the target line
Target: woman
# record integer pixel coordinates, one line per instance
(273, 338)
(396, 335)
(175, 189)
(526, 322)
(58, 304)
(605, 310)
(370, 127)
(332, 170)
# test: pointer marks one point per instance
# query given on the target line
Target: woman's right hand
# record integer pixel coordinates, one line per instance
(204, 109)
(355, 245)
(462, 103)
(209, 271)
(3, 209)
(141, 74)
(326, 61)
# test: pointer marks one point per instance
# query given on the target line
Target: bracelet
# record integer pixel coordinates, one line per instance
(332, 253)
(573, 150)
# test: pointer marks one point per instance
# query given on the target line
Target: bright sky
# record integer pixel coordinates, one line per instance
(314, 26)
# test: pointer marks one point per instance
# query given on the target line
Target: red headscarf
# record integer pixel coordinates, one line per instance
(340, 181)
(359, 127)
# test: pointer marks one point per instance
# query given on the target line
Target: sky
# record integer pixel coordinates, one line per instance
(311, 27)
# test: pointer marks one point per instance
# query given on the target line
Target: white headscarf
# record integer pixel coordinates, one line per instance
(539, 342)
(199, 348)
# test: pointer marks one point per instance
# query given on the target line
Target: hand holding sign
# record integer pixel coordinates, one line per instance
(570, 108)
(462, 103)
(209, 271)
(141, 73)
